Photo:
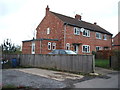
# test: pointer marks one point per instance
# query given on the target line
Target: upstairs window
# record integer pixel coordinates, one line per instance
(105, 37)
(98, 48)
(48, 30)
(67, 46)
(49, 45)
(86, 48)
(53, 46)
(76, 31)
(98, 35)
(86, 33)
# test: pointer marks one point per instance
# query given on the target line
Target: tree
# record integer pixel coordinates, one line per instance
(8, 47)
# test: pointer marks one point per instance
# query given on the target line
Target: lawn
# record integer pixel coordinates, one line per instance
(104, 63)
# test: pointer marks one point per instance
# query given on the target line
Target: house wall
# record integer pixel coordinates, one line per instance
(92, 41)
(116, 41)
(44, 47)
(56, 28)
(26, 47)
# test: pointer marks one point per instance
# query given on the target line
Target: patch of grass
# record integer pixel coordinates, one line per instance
(104, 63)
(9, 86)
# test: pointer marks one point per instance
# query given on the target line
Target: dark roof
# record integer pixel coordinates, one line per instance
(82, 24)
(40, 40)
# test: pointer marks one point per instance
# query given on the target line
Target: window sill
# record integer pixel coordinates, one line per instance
(86, 36)
(76, 34)
(86, 52)
(99, 38)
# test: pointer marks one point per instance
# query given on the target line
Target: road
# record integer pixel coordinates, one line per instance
(39, 78)
(110, 81)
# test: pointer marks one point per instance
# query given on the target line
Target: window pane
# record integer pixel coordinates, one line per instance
(49, 45)
(67, 46)
(48, 30)
(86, 48)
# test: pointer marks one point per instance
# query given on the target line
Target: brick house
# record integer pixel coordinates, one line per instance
(57, 31)
(116, 42)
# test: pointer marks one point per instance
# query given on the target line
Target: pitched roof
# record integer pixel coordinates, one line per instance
(82, 24)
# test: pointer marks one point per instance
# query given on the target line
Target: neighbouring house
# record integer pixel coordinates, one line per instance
(57, 31)
(116, 42)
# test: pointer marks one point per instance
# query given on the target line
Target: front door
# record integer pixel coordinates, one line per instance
(76, 48)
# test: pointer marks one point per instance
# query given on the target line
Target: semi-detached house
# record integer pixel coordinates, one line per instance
(57, 31)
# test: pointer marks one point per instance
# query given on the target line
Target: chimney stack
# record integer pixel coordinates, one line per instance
(47, 9)
(78, 17)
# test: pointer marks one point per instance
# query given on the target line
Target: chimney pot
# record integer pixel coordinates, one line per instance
(78, 17)
(95, 23)
(47, 9)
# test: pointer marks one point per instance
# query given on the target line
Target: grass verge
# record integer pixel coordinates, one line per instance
(104, 63)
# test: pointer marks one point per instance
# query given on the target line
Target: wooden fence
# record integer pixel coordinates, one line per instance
(73, 63)
(115, 62)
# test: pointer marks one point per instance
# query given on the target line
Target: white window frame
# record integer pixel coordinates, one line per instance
(53, 46)
(99, 35)
(76, 31)
(76, 47)
(100, 48)
(49, 45)
(88, 48)
(48, 30)
(105, 37)
(33, 48)
(87, 33)
(68, 46)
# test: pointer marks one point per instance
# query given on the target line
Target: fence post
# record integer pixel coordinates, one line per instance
(93, 63)
(110, 61)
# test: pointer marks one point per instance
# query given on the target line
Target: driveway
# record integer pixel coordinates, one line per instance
(38, 78)
(41, 78)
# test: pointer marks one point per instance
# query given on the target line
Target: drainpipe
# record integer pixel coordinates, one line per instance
(65, 35)
(40, 46)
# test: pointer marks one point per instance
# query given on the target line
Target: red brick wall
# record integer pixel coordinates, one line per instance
(92, 41)
(44, 49)
(116, 48)
(55, 25)
(116, 41)
(26, 48)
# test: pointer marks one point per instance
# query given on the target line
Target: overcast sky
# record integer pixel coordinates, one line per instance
(19, 18)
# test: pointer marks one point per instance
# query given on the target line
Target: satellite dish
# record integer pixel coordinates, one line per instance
(82, 29)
